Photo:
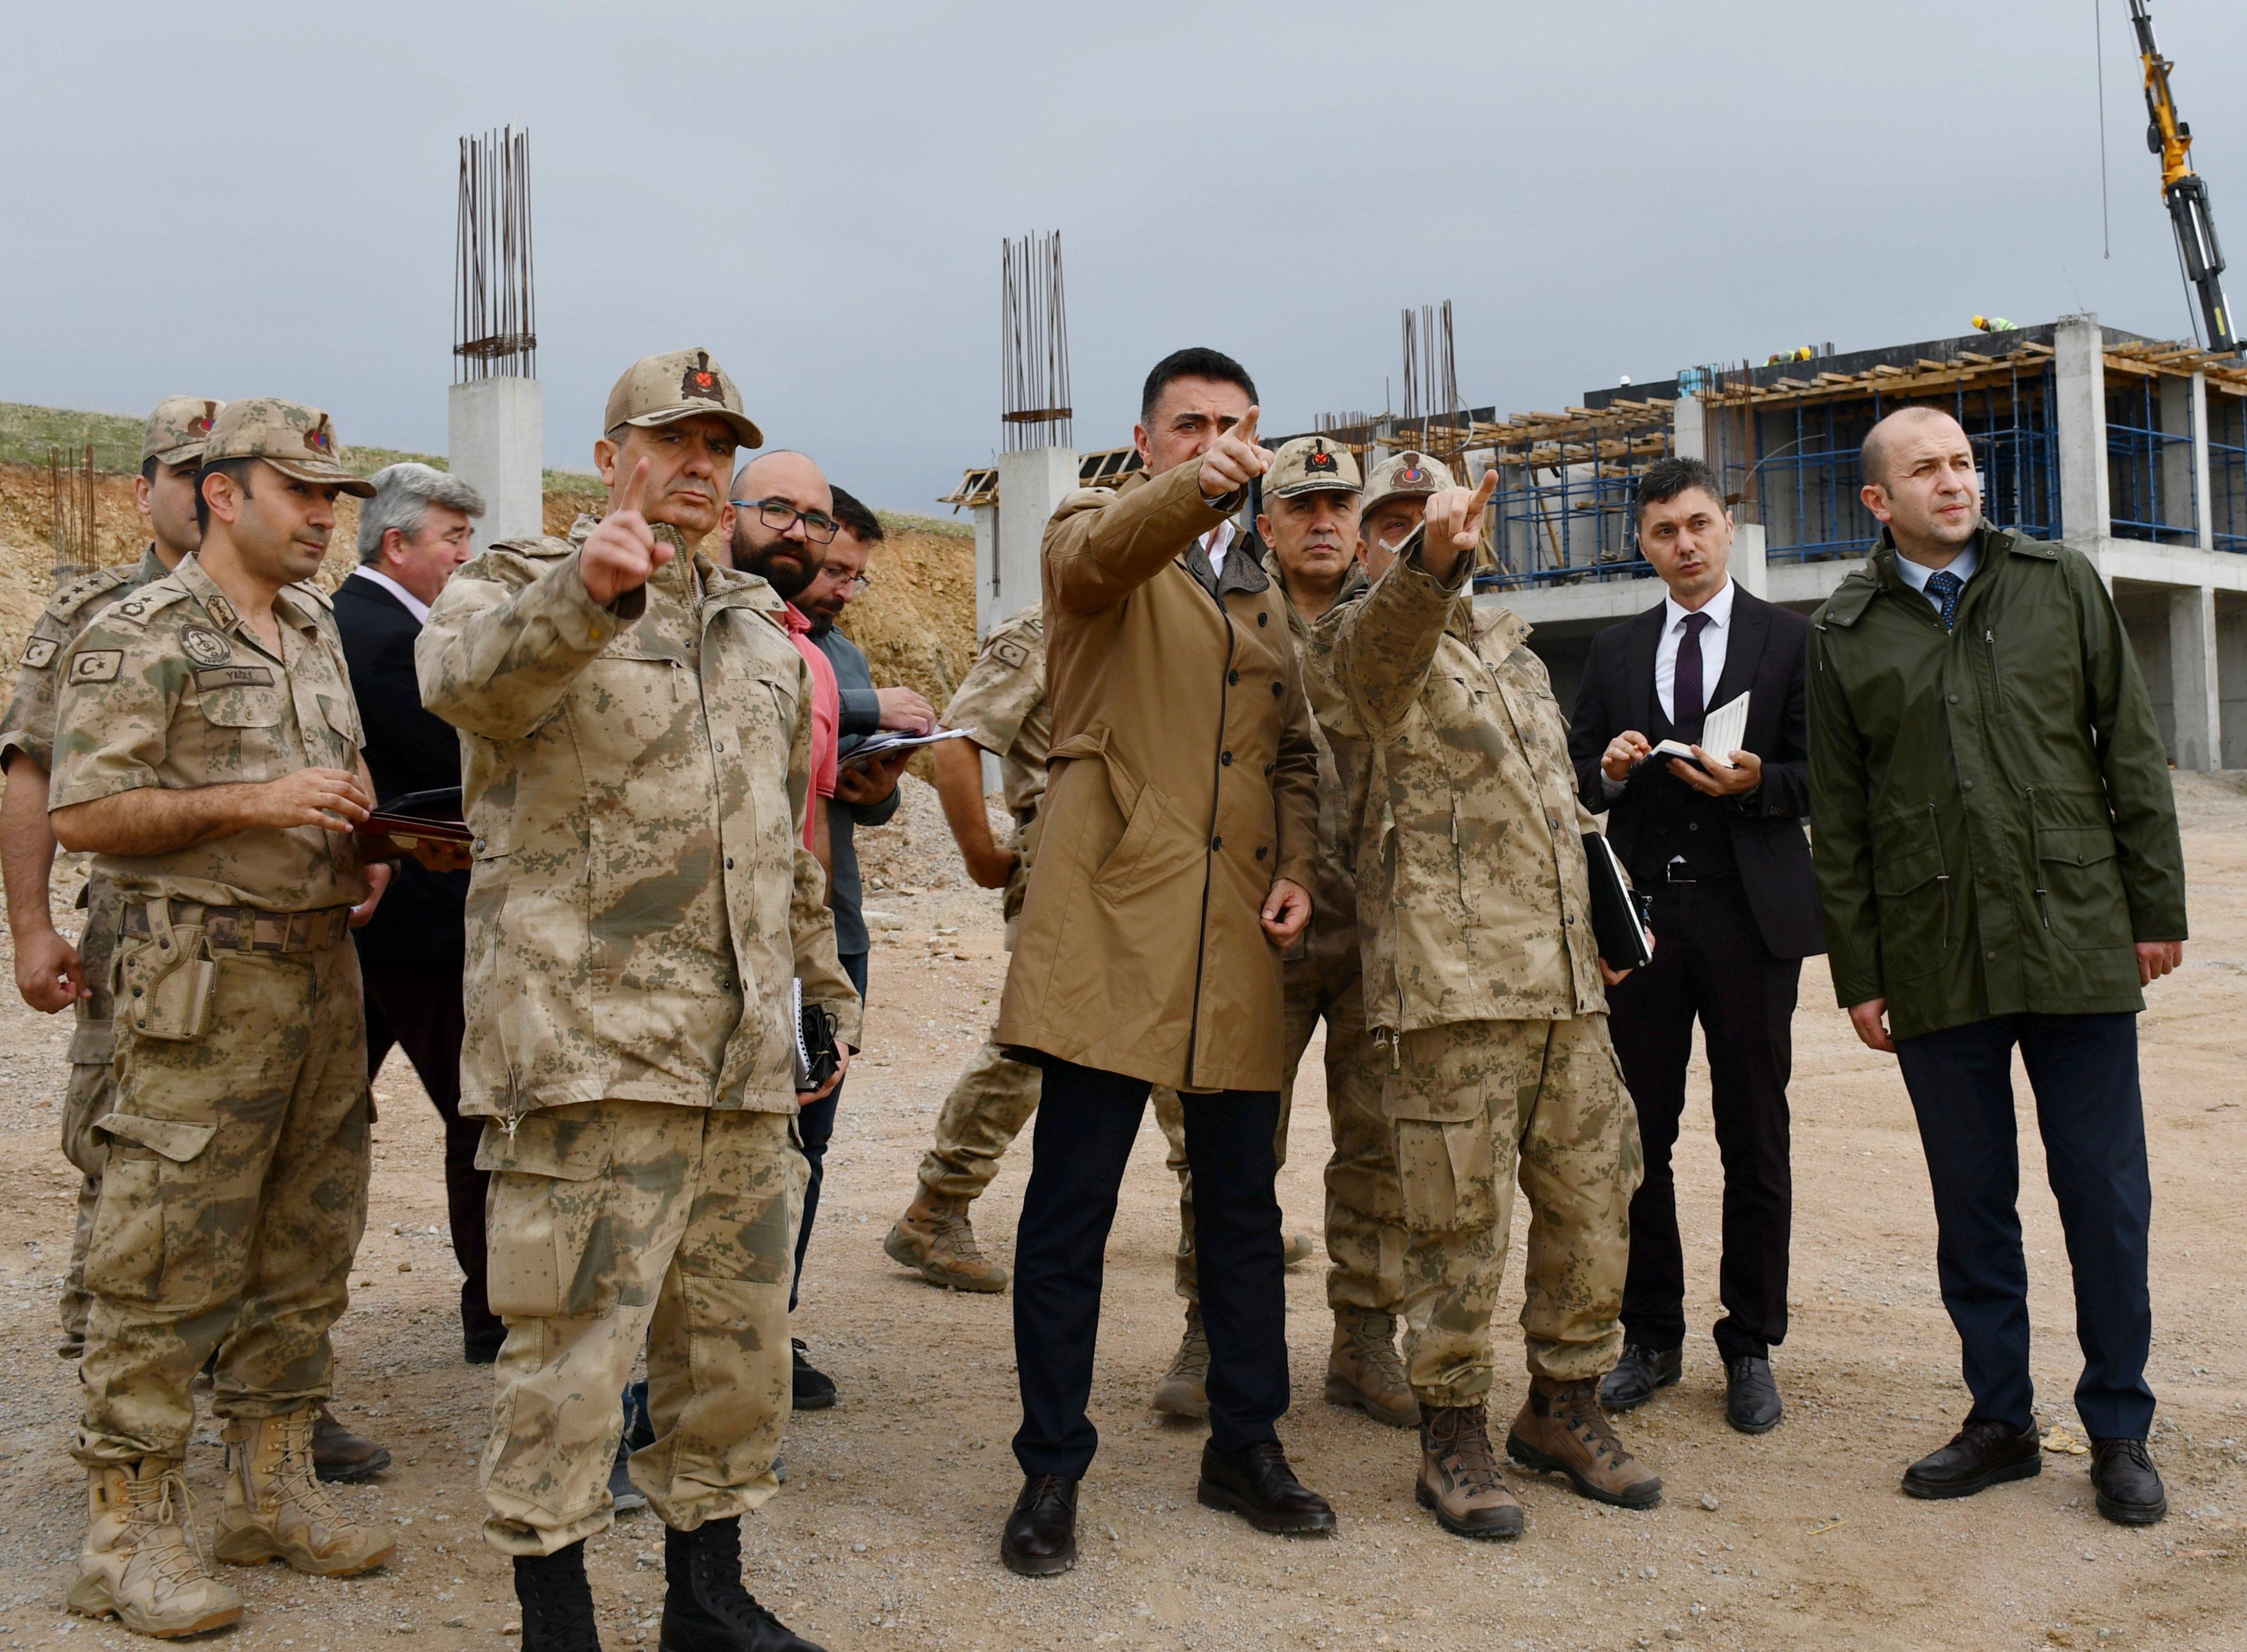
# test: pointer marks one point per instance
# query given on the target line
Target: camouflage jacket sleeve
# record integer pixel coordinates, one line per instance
(811, 922)
(28, 725)
(115, 710)
(508, 635)
(1295, 782)
(1099, 549)
(1383, 645)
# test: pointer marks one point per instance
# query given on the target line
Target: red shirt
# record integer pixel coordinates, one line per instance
(826, 712)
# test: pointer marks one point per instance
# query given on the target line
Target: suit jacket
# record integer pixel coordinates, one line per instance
(1762, 832)
(408, 750)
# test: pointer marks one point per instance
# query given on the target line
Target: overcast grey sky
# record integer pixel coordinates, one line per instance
(247, 199)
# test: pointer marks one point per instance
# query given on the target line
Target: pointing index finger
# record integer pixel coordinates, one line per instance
(1484, 489)
(1246, 430)
(635, 490)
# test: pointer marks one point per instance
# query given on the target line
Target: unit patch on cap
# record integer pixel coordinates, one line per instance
(1320, 460)
(199, 424)
(316, 438)
(700, 383)
(203, 646)
(1412, 471)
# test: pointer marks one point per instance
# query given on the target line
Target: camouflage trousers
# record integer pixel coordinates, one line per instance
(88, 1097)
(1474, 1105)
(1365, 1234)
(232, 1202)
(616, 1225)
(988, 1105)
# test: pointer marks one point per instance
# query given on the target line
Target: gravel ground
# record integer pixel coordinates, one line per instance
(887, 1533)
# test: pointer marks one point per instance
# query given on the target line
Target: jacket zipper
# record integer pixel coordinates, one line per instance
(2036, 858)
(1943, 872)
(1208, 836)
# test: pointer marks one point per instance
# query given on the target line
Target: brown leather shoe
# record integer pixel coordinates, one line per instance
(1363, 1371)
(1459, 1479)
(1257, 1485)
(1561, 1429)
(338, 1455)
(1040, 1536)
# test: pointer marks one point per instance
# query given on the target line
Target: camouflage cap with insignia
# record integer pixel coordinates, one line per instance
(662, 389)
(1311, 465)
(295, 440)
(177, 429)
(1407, 473)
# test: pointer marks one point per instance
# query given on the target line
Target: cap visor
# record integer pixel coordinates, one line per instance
(332, 475)
(744, 426)
(185, 452)
(1319, 485)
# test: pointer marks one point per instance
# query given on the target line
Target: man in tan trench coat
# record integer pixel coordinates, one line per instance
(1178, 846)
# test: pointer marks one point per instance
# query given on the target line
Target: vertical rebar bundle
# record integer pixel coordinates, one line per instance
(1033, 344)
(70, 496)
(494, 311)
(1431, 370)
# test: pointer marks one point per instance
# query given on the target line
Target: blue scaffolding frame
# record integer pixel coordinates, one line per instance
(1583, 523)
(2145, 499)
(2227, 471)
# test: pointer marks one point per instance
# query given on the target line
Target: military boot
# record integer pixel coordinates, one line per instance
(705, 1607)
(1460, 1477)
(276, 1509)
(1561, 1429)
(1363, 1370)
(933, 1238)
(137, 1564)
(557, 1602)
(1184, 1390)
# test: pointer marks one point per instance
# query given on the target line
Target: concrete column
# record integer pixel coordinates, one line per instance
(1030, 485)
(2204, 513)
(987, 561)
(2079, 369)
(2195, 694)
(1689, 433)
(495, 435)
(2180, 468)
(1749, 565)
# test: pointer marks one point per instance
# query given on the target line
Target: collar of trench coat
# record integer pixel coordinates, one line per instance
(1184, 781)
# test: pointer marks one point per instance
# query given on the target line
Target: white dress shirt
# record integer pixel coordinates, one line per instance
(1215, 544)
(414, 606)
(1719, 608)
(1915, 574)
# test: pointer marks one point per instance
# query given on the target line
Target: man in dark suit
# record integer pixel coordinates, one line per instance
(412, 535)
(1718, 847)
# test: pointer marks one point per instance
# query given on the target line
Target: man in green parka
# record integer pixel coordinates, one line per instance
(1997, 858)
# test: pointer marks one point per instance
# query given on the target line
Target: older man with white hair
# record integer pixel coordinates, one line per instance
(418, 526)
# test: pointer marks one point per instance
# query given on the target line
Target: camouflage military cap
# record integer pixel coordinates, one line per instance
(177, 428)
(1407, 473)
(295, 440)
(661, 390)
(1311, 465)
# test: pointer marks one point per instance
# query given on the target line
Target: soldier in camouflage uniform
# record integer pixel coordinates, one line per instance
(1312, 502)
(49, 972)
(1001, 706)
(209, 753)
(636, 738)
(1483, 978)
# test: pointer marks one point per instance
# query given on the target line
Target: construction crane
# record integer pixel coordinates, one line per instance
(2183, 189)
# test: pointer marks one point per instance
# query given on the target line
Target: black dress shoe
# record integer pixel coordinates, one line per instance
(1641, 1370)
(705, 1607)
(814, 1389)
(1040, 1536)
(1256, 1484)
(482, 1347)
(1751, 1402)
(1982, 1454)
(2129, 1487)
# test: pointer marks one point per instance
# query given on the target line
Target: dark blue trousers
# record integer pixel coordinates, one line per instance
(2084, 1070)
(816, 1125)
(1087, 1122)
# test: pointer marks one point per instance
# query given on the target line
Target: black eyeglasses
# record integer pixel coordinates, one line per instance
(779, 515)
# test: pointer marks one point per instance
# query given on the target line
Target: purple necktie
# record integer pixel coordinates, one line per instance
(1686, 693)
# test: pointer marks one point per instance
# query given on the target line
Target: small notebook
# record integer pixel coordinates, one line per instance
(1723, 731)
(882, 745)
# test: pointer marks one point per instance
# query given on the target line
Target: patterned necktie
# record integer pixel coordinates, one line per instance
(1687, 695)
(1944, 587)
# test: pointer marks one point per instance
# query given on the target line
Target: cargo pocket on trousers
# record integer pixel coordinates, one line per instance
(548, 1252)
(131, 1238)
(1446, 1172)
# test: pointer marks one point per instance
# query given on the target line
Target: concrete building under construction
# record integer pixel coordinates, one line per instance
(2131, 449)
